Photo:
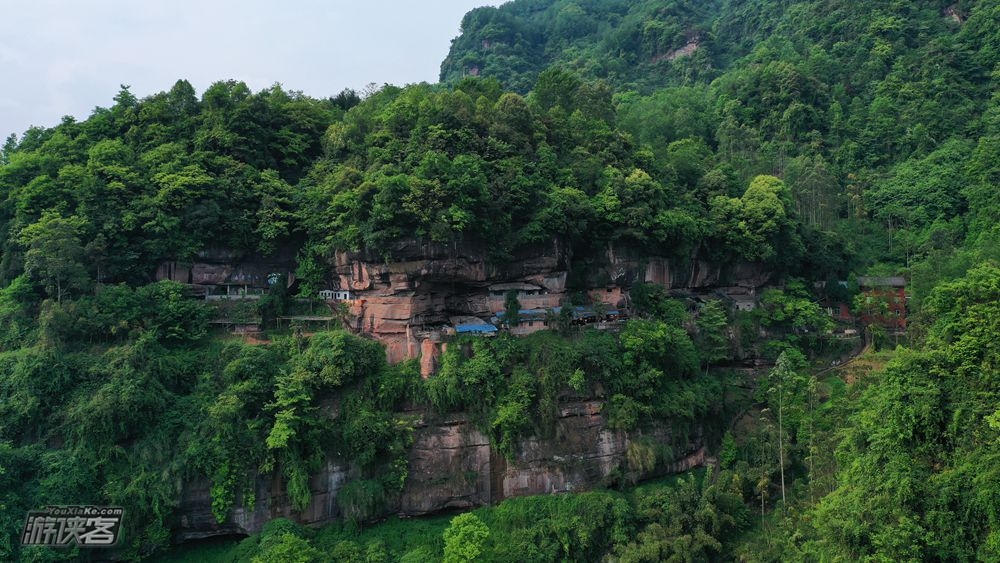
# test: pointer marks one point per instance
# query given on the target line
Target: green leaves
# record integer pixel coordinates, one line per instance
(55, 255)
(690, 520)
(922, 427)
(336, 358)
(293, 410)
(464, 538)
(712, 339)
(751, 225)
(304, 433)
(651, 346)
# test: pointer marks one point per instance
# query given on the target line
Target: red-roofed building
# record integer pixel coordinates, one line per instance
(884, 301)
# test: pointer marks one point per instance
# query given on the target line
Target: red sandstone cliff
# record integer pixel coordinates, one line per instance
(453, 465)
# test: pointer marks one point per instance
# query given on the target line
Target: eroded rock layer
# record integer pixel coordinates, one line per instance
(453, 465)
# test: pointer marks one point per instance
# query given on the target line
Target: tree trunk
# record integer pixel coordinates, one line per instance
(781, 450)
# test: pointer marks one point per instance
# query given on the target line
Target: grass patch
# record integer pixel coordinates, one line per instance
(397, 536)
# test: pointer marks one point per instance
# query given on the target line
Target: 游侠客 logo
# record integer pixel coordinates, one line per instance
(62, 526)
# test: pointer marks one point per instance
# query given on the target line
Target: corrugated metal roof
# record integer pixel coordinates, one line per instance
(891, 281)
(514, 286)
(463, 329)
(527, 313)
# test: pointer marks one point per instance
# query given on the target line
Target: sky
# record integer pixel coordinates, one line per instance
(66, 57)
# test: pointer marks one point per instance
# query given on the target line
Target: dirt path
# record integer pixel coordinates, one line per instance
(864, 350)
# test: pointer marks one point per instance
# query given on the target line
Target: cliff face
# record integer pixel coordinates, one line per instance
(406, 303)
(407, 300)
(460, 270)
(452, 465)
(220, 266)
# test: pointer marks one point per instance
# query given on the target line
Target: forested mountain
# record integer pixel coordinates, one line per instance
(847, 102)
(816, 140)
(164, 176)
(623, 42)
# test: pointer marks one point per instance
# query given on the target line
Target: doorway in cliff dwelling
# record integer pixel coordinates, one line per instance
(293, 287)
(458, 299)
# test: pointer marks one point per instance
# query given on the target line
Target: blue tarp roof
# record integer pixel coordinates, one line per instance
(528, 312)
(475, 328)
(578, 311)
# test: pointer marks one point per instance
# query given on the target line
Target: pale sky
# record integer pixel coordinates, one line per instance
(64, 57)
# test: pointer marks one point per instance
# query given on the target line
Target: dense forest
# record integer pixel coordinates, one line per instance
(822, 140)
